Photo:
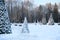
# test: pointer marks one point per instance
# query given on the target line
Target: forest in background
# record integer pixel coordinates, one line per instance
(19, 10)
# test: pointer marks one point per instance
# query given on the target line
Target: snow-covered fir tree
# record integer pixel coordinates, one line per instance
(25, 26)
(50, 21)
(35, 22)
(43, 19)
(5, 26)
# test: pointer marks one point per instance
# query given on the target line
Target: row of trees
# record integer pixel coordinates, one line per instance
(18, 10)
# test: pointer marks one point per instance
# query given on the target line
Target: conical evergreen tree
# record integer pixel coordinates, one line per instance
(50, 21)
(55, 13)
(5, 26)
(25, 26)
(44, 19)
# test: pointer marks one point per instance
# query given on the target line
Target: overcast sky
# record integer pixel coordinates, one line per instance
(38, 2)
(42, 2)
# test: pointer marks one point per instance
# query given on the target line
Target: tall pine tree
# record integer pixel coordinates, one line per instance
(55, 13)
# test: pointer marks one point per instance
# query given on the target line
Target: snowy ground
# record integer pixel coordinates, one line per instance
(37, 32)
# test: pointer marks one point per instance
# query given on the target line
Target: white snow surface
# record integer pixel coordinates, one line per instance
(37, 32)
